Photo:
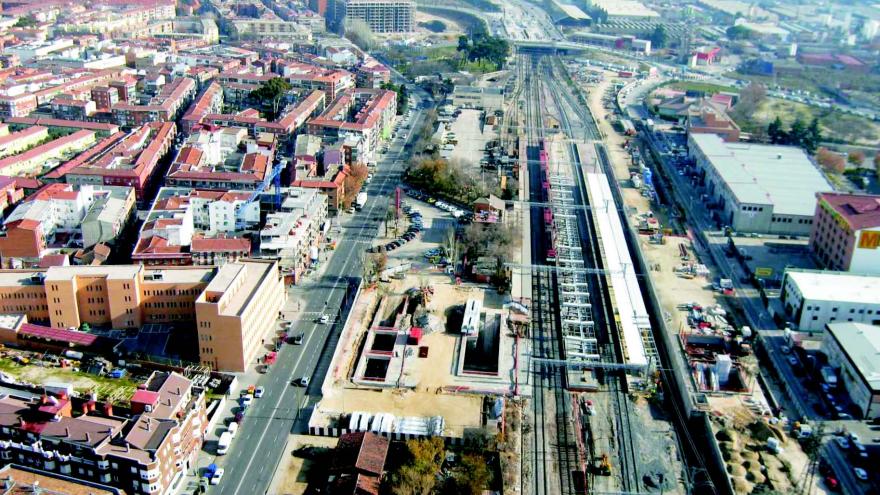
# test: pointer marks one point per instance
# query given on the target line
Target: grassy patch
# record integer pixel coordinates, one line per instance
(81, 381)
(836, 126)
(701, 86)
(786, 81)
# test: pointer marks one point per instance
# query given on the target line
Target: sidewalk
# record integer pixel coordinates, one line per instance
(190, 482)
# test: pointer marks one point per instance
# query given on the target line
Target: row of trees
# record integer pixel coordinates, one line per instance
(799, 134)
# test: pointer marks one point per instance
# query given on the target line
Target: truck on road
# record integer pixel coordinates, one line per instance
(360, 200)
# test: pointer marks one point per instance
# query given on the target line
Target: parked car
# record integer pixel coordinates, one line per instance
(258, 393)
(860, 473)
(217, 476)
(298, 339)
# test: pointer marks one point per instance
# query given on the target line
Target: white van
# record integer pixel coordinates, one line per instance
(223, 444)
(232, 429)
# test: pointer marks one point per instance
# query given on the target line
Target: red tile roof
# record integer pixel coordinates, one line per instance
(53, 260)
(58, 334)
(361, 452)
(220, 244)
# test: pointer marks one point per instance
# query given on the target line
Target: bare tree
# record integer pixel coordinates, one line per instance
(359, 32)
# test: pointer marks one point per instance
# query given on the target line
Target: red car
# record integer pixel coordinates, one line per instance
(832, 483)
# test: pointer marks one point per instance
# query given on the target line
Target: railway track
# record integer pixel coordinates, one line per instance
(609, 336)
(555, 461)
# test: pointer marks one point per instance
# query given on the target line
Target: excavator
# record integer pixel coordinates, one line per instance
(603, 466)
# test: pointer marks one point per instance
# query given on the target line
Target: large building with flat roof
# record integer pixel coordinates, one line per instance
(814, 298)
(759, 188)
(234, 307)
(853, 350)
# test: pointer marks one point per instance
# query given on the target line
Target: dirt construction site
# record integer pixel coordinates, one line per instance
(740, 418)
(402, 352)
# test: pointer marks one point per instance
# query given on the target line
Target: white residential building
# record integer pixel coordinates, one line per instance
(294, 233)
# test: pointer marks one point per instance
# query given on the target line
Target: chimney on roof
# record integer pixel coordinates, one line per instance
(779, 156)
(66, 431)
(88, 438)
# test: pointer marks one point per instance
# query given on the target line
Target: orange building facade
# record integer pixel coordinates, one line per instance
(227, 304)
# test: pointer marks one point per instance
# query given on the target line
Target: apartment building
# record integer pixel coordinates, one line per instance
(102, 129)
(292, 117)
(236, 311)
(36, 160)
(294, 233)
(122, 159)
(16, 142)
(120, 19)
(165, 106)
(366, 115)
(105, 97)
(383, 16)
(209, 100)
(18, 105)
(846, 232)
(30, 480)
(63, 215)
(211, 159)
(183, 223)
(276, 29)
(233, 306)
(332, 82)
(145, 451)
(372, 74)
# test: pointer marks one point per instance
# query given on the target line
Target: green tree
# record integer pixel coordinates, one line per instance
(463, 44)
(26, 22)
(738, 33)
(473, 475)
(659, 37)
(776, 132)
(798, 132)
(271, 93)
(813, 136)
(402, 95)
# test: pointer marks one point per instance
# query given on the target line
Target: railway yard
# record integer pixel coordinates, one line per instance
(594, 360)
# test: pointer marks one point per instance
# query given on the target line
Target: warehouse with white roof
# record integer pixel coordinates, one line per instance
(760, 188)
(814, 298)
(853, 350)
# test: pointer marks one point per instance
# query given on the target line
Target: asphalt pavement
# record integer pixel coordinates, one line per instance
(284, 409)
